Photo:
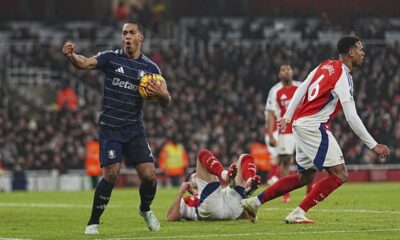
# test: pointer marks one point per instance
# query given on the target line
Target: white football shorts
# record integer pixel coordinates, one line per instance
(218, 204)
(316, 148)
(286, 144)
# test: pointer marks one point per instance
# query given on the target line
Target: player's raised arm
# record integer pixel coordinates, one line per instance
(77, 60)
(174, 211)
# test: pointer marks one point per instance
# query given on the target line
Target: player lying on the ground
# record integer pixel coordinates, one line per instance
(209, 200)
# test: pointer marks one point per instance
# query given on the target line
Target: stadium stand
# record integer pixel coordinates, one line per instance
(218, 72)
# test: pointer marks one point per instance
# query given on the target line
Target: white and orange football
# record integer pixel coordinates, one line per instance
(144, 85)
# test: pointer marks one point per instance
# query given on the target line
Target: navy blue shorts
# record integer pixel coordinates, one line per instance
(129, 142)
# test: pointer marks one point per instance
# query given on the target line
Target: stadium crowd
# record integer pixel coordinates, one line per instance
(218, 103)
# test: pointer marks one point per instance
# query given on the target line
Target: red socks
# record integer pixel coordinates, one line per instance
(282, 186)
(309, 188)
(274, 171)
(320, 191)
(211, 163)
(248, 167)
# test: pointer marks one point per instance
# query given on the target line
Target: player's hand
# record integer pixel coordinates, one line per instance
(283, 123)
(272, 141)
(158, 90)
(185, 187)
(382, 150)
(68, 49)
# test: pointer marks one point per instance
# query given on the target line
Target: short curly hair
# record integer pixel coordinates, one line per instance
(346, 43)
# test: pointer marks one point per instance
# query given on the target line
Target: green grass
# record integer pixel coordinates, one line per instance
(355, 211)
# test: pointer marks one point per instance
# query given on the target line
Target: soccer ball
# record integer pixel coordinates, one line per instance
(144, 85)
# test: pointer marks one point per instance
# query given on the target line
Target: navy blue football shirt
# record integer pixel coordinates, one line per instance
(122, 103)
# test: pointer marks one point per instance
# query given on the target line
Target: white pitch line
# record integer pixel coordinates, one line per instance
(14, 238)
(42, 205)
(258, 234)
(337, 210)
(56, 205)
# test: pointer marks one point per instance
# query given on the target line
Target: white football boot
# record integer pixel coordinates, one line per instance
(151, 220)
(298, 217)
(251, 205)
(92, 229)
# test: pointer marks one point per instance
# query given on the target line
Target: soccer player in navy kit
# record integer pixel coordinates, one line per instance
(120, 127)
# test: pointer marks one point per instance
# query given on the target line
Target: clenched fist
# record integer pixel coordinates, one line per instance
(68, 49)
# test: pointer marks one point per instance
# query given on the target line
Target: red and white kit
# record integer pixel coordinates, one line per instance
(317, 100)
(278, 101)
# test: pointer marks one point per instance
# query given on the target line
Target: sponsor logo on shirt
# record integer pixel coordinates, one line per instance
(120, 70)
(124, 84)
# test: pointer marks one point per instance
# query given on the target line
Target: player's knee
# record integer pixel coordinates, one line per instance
(285, 160)
(307, 176)
(305, 180)
(148, 177)
(111, 175)
(340, 171)
(343, 176)
(111, 172)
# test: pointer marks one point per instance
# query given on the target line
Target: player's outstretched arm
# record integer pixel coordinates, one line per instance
(77, 60)
(174, 213)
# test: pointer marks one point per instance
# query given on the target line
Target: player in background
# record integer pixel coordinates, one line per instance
(278, 100)
(120, 125)
(209, 200)
(326, 89)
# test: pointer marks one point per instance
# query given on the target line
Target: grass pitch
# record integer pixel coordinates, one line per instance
(354, 211)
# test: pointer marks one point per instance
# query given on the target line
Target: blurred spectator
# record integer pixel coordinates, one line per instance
(92, 161)
(120, 12)
(19, 180)
(66, 98)
(158, 10)
(1, 166)
(218, 92)
(173, 161)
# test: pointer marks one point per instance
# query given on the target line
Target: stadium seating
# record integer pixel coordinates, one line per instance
(218, 83)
